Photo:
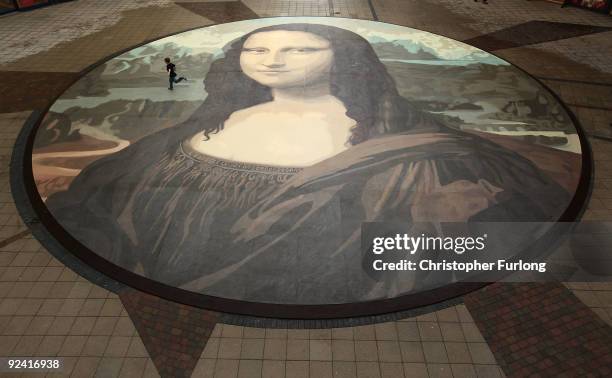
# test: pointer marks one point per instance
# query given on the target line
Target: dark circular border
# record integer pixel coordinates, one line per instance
(112, 277)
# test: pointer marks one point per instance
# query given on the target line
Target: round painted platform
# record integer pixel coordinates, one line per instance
(245, 188)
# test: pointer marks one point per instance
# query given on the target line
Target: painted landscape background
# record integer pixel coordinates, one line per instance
(126, 98)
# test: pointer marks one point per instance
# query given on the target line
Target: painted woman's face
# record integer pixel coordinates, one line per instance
(286, 59)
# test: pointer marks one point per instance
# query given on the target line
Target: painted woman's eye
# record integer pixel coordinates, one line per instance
(303, 50)
(255, 50)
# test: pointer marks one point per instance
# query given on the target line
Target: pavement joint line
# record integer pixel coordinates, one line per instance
(15, 237)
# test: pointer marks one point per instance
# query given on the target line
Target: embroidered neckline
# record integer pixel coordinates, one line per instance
(186, 150)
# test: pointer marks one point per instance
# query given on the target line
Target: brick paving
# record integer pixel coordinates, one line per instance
(541, 328)
(175, 335)
(48, 310)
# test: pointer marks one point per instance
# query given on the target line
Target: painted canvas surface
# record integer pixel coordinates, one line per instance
(251, 180)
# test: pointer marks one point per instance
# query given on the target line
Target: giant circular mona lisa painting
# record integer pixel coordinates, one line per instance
(250, 180)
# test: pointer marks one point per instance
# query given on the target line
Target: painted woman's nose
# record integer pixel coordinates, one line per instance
(274, 59)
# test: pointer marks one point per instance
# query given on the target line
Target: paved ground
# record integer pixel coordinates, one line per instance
(48, 310)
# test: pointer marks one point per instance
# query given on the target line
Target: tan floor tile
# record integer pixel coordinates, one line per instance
(276, 333)
(151, 370)
(297, 369)
(434, 352)
(321, 369)
(229, 348)
(205, 368)
(137, 348)
(589, 298)
(18, 325)
(111, 307)
(109, 367)
(343, 350)
(366, 350)
(41, 290)
(365, 332)
(133, 367)
(72, 307)
(320, 350)
(481, 354)
(389, 351)
(458, 353)
(6, 287)
(85, 367)
(275, 349)
(211, 349)
(50, 345)
(430, 317)
(253, 333)
(67, 368)
(20, 290)
(124, 327)
(471, 332)
(80, 290)
(228, 330)
(117, 346)
(297, 334)
(391, 370)
(95, 346)
(31, 273)
(39, 325)
(73, 346)
(249, 369)
(408, 331)
(604, 297)
(7, 344)
(27, 346)
(61, 325)
(98, 292)
(415, 370)
(51, 307)
(5, 320)
(226, 369)
(273, 369)
(51, 273)
(29, 306)
(344, 369)
(67, 275)
(343, 333)
(217, 330)
(448, 315)
(91, 307)
(320, 334)
(463, 370)
(298, 349)
(451, 332)
(386, 331)
(429, 331)
(368, 370)
(9, 306)
(487, 371)
(104, 326)
(61, 289)
(83, 325)
(439, 371)
(252, 349)
(412, 351)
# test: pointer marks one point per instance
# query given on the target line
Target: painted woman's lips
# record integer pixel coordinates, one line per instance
(273, 71)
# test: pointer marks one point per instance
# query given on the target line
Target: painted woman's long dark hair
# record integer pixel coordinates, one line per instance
(358, 78)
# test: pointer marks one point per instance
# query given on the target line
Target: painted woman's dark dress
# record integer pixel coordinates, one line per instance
(290, 235)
